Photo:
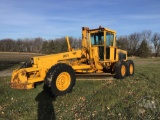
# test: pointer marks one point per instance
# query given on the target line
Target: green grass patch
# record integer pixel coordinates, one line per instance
(117, 99)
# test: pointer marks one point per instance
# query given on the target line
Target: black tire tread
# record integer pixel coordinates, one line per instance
(55, 71)
(117, 70)
(128, 69)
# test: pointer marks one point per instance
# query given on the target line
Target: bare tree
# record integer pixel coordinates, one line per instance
(156, 42)
(7, 45)
(37, 44)
(122, 42)
(134, 40)
(146, 35)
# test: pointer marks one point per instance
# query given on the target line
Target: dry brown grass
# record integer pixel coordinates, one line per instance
(16, 56)
(9, 59)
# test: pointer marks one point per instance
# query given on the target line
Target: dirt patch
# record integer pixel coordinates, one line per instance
(5, 73)
(10, 61)
(16, 56)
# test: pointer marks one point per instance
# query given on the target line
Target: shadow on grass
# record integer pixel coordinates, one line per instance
(45, 110)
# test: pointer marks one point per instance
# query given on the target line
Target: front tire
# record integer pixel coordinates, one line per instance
(62, 79)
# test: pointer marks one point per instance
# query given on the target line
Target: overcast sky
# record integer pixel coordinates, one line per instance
(51, 19)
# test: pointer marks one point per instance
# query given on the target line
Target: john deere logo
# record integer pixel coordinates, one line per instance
(148, 108)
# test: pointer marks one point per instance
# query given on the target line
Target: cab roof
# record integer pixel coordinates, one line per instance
(103, 29)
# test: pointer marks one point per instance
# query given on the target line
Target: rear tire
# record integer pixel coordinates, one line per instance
(120, 70)
(62, 78)
(130, 68)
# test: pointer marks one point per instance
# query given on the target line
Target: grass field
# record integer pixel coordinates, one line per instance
(133, 98)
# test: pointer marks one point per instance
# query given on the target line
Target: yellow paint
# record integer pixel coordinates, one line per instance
(123, 70)
(131, 68)
(63, 81)
(68, 43)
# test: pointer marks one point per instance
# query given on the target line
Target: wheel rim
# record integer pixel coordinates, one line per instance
(131, 69)
(63, 81)
(123, 70)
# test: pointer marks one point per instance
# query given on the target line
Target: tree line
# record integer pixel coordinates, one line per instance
(142, 44)
(38, 45)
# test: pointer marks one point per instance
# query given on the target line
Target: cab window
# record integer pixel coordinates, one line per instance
(97, 38)
(110, 38)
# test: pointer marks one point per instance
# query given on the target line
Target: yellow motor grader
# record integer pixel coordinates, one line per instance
(98, 55)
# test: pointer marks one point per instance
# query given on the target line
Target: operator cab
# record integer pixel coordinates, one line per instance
(104, 39)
